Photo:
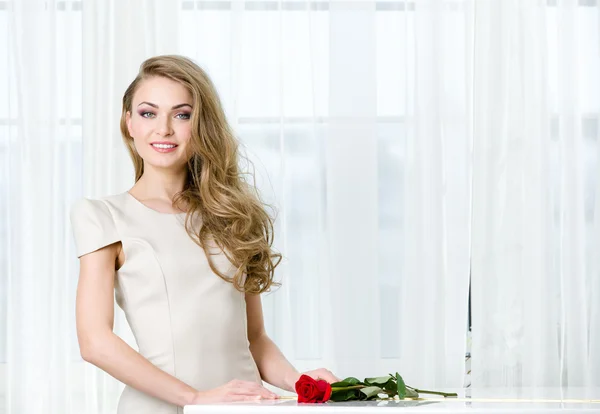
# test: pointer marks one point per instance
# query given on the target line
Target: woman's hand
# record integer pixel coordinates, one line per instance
(320, 373)
(236, 390)
(323, 374)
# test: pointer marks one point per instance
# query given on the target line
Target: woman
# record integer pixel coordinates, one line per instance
(187, 250)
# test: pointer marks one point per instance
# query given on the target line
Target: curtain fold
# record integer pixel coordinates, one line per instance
(535, 174)
(36, 130)
(435, 268)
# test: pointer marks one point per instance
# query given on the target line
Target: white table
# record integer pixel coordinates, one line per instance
(469, 401)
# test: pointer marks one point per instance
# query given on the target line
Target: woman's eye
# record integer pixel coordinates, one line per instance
(183, 116)
(147, 114)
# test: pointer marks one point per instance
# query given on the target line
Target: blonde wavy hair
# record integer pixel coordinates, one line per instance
(232, 212)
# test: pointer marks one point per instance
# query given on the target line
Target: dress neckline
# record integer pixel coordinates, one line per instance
(129, 195)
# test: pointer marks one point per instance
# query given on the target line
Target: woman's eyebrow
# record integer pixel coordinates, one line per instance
(174, 107)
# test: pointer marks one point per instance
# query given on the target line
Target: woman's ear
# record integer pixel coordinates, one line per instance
(128, 122)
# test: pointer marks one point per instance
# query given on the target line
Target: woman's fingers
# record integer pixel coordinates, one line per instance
(253, 389)
(323, 374)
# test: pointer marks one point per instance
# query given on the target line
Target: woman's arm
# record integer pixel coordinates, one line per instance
(101, 347)
(274, 368)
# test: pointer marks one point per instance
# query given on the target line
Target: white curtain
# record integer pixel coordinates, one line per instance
(39, 139)
(401, 142)
(536, 218)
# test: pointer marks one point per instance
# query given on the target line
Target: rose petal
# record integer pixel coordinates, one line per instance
(306, 378)
(307, 389)
(327, 393)
(324, 390)
(322, 385)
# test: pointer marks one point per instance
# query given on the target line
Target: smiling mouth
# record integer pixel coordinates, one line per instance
(164, 146)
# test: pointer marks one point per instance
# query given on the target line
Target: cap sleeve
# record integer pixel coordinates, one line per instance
(93, 226)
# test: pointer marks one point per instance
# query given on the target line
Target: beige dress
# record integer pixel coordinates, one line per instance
(186, 320)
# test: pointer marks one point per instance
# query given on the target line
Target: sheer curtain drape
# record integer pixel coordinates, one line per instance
(406, 145)
(40, 165)
(535, 210)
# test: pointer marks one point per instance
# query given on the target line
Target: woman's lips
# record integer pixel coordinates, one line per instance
(163, 146)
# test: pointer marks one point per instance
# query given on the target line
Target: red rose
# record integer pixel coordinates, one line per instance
(310, 390)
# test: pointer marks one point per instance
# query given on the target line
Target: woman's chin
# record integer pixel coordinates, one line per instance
(173, 165)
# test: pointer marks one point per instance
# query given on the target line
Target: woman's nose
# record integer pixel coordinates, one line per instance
(164, 126)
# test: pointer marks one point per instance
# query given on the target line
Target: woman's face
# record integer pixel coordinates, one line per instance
(160, 124)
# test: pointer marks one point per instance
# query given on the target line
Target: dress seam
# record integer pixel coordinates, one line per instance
(170, 315)
(178, 410)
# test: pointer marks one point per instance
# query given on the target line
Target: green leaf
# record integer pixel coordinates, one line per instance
(377, 380)
(347, 382)
(371, 392)
(341, 384)
(401, 386)
(352, 381)
(390, 386)
(411, 393)
(344, 395)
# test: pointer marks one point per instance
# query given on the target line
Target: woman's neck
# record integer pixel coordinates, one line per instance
(160, 184)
